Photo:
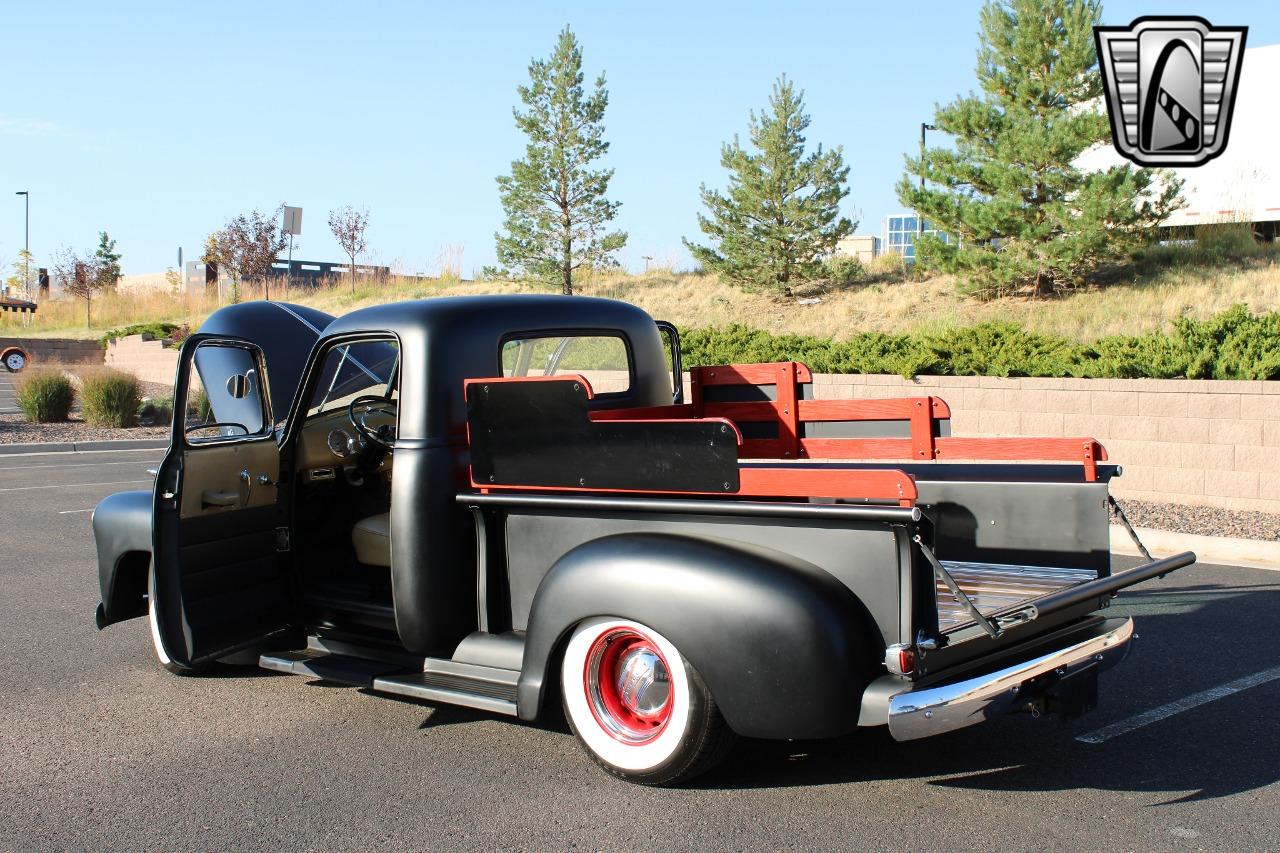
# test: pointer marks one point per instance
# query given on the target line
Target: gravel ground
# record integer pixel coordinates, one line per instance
(1202, 520)
(14, 428)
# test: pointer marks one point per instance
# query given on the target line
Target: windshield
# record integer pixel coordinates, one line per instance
(354, 370)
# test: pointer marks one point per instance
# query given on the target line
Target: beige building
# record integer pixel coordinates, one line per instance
(864, 247)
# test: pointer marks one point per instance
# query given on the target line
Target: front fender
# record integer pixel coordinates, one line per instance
(122, 532)
(784, 647)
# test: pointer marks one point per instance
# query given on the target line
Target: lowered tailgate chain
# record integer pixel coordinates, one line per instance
(1124, 521)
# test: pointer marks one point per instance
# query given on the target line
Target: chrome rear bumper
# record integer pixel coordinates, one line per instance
(941, 708)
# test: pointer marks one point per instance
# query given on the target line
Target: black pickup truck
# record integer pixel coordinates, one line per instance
(501, 501)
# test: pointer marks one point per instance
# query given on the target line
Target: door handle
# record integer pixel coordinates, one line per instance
(209, 498)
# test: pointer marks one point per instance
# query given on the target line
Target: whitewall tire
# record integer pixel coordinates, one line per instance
(157, 644)
(641, 710)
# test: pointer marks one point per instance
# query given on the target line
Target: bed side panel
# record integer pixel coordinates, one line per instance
(862, 557)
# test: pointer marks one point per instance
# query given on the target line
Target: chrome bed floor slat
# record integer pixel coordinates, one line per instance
(995, 586)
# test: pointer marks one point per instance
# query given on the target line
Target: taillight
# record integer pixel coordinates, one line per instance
(900, 659)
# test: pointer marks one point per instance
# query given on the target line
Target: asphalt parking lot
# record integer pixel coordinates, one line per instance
(102, 749)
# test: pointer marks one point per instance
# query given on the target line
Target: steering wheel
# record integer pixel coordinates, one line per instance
(383, 436)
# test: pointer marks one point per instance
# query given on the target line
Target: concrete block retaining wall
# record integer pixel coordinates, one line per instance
(1200, 442)
(58, 350)
(149, 360)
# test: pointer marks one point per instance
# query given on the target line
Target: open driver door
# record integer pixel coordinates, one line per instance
(221, 580)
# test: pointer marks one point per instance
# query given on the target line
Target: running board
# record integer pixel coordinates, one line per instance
(485, 688)
(317, 663)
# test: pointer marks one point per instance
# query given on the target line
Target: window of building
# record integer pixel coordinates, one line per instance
(900, 234)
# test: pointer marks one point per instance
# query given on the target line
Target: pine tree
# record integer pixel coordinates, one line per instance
(108, 260)
(1025, 216)
(555, 204)
(782, 211)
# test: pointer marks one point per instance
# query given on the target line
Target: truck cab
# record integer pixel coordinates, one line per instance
(479, 500)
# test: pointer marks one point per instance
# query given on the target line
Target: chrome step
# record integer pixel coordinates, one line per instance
(485, 688)
(316, 663)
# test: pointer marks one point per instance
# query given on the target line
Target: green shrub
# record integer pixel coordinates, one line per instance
(1235, 344)
(1005, 349)
(156, 410)
(888, 264)
(110, 398)
(156, 330)
(198, 408)
(45, 395)
(843, 271)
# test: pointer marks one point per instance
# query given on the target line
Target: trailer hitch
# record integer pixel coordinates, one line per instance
(993, 629)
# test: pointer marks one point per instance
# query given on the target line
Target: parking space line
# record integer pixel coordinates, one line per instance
(4, 468)
(72, 485)
(72, 511)
(1177, 706)
(83, 452)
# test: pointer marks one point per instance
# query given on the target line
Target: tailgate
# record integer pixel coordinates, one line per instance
(1005, 595)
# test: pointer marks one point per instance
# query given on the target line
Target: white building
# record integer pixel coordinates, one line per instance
(1242, 184)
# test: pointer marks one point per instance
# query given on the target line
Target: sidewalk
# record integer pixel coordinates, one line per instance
(1251, 553)
(42, 447)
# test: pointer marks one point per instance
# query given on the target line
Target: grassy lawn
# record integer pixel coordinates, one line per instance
(1142, 303)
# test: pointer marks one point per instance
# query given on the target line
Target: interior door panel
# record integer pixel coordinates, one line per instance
(213, 482)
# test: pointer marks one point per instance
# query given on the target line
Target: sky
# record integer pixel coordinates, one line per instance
(159, 122)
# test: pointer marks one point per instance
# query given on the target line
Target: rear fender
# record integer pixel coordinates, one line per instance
(784, 647)
(122, 532)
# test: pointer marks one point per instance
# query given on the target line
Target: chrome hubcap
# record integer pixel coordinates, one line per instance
(643, 683)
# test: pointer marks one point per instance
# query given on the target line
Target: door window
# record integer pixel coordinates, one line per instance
(225, 397)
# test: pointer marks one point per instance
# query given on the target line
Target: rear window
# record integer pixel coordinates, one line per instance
(603, 359)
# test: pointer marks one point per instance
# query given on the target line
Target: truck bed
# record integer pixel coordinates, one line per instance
(994, 587)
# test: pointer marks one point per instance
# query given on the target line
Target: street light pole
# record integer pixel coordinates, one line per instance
(920, 219)
(26, 243)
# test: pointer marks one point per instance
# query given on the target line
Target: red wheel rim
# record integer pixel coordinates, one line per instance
(628, 684)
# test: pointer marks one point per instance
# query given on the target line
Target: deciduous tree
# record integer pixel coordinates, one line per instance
(348, 226)
(556, 203)
(81, 275)
(247, 247)
(781, 213)
(1025, 215)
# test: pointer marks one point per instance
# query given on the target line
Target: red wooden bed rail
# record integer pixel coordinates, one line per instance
(789, 411)
(871, 484)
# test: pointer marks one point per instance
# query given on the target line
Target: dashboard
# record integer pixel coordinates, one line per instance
(329, 443)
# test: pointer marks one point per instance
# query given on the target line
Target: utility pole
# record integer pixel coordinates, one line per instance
(26, 244)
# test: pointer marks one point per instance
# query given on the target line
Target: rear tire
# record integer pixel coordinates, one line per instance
(157, 644)
(641, 710)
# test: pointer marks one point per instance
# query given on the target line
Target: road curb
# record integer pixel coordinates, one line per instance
(41, 447)
(1252, 553)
